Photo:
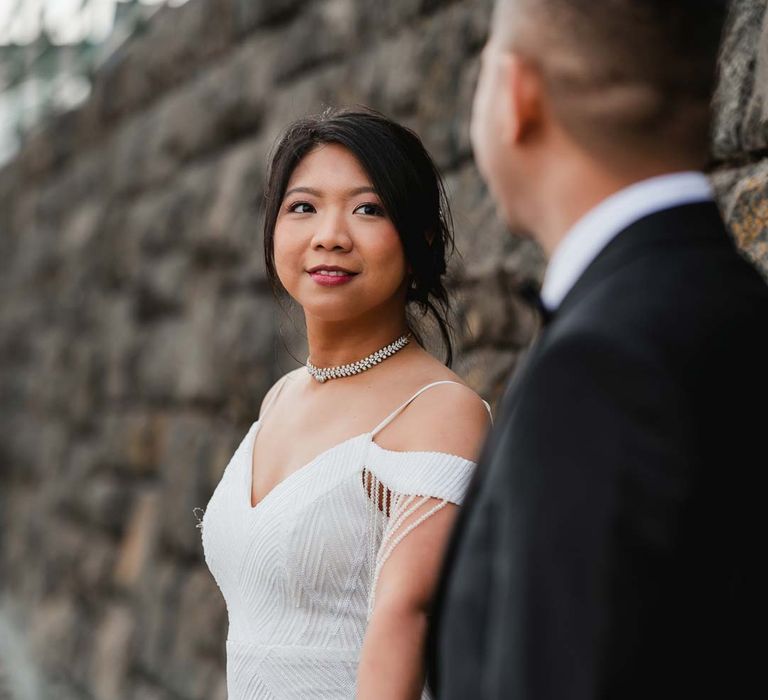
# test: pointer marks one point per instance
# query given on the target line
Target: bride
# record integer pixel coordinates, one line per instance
(326, 531)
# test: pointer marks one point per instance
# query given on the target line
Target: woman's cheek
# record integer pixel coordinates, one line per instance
(287, 266)
(394, 255)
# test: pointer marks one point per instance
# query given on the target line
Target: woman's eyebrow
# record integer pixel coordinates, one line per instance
(305, 190)
(362, 190)
(316, 193)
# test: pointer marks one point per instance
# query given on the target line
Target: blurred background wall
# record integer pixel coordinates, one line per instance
(138, 333)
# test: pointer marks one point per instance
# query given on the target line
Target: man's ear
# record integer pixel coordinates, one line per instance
(522, 96)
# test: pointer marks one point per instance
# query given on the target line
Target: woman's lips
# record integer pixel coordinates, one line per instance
(331, 279)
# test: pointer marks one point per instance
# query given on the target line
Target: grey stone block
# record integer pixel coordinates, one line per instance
(255, 14)
(323, 33)
(739, 95)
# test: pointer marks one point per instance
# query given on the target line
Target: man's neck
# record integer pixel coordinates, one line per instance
(589, 234)
(576, 190)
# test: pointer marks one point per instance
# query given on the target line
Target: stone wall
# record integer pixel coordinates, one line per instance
(740, 148)
(137, 329)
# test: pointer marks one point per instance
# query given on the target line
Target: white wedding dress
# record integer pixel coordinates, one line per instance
(298, 570)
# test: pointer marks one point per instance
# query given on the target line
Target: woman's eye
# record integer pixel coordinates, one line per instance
(301, 208)
(369, 210)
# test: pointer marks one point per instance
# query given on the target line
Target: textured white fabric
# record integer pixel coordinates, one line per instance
(298, 570)
(592, 232)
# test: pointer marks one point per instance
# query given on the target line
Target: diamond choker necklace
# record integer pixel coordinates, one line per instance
(322, 374)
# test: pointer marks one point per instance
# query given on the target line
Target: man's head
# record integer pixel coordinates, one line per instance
(625, 83)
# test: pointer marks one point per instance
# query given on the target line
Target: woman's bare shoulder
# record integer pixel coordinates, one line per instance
(289, 377)
(448, 417)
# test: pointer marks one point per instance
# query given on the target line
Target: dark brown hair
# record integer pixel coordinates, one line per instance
(408, 183)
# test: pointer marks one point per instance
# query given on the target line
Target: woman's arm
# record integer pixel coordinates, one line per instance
(447, 419)
(392, 658)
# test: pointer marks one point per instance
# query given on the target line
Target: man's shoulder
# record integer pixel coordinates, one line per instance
(692, 312)
(679, 289)
(681, 258)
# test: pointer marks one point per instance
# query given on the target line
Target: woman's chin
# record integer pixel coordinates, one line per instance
(336, 312)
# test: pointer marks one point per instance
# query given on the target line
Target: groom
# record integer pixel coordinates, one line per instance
(612, 541)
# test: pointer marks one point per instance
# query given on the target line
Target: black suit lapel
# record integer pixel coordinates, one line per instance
(700, 222)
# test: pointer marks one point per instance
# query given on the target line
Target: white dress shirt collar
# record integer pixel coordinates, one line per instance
(593, 231)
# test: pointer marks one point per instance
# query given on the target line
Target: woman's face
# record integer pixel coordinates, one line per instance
(337, 252)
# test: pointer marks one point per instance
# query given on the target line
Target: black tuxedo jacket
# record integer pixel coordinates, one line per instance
(611, 542)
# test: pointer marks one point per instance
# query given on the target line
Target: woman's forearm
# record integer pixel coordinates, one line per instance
(392, 657)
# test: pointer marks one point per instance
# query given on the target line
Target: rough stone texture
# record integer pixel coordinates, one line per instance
(740, 139)
(740, 123)
(744, 201)
(137, 330)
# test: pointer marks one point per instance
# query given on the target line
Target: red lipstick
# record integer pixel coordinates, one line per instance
(331, 275)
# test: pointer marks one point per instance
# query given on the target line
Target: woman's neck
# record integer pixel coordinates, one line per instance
(339, 342)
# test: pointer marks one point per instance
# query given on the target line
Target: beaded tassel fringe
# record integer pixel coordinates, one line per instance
(399, 515)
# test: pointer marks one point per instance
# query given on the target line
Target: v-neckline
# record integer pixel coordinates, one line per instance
(295, 472)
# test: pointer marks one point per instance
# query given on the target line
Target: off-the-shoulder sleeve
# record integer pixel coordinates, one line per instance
(404, 489)
(433, 474)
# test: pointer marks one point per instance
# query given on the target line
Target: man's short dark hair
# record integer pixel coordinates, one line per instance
(633, 76)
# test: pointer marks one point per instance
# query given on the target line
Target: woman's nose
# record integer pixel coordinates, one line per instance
(331, 232)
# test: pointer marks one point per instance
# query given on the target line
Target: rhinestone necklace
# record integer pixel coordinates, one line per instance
(322, 374)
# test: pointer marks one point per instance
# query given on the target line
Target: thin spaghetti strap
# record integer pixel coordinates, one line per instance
(488, 407)
(273, 398)
(394, 413)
